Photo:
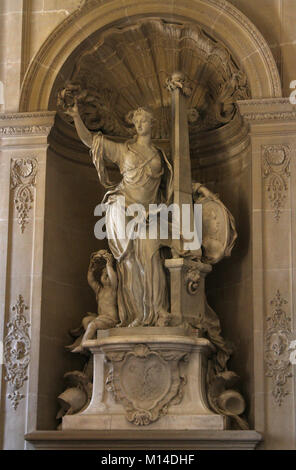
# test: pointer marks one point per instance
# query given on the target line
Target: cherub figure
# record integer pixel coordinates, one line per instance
(102, 278)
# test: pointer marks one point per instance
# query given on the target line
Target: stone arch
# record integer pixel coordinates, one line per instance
(227, 23)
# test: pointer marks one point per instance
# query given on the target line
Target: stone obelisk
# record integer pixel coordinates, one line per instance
(181, 91)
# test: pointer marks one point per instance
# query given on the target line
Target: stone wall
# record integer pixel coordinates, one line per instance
(25, 24)
(48, 269)
(72, 193)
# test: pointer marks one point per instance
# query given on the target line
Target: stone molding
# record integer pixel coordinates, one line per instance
(17, 346)
(18, 116)
(26, 124)
(22, 130)
(277, 116)
(277, 354)
(145, 440)
(259, 111)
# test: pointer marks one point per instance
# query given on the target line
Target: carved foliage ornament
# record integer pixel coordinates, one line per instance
(178, 80)
(277, 340)
(276, 171)
(16, 351)
(146, 382)
(23, 180)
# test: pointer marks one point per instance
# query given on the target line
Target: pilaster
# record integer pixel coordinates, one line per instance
(272, 124)
(23, 156)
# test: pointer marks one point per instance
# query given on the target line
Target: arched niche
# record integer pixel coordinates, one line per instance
(220, 159)
(229, 25)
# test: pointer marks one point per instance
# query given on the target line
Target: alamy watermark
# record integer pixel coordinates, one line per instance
(2, 102)
(293, 353)
(158, 221)
(1, 354)
(293, 93)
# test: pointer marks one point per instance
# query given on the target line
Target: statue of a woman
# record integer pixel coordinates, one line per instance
(146, 179)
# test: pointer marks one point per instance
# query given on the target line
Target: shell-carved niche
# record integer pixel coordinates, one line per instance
(128, 68)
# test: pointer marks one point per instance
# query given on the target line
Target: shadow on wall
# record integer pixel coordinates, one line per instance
(229, 286)
(72, 192)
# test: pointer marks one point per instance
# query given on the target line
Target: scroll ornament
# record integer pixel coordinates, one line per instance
(276, 171)
(17, 351)
(277, 354)
(23, 181)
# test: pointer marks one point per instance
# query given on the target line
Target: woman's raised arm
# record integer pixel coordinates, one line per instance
(84, 134)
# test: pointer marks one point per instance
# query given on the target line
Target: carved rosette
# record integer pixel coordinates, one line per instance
(17, 351)
(276, 171)
(277, 354)
(146, 382)
(23, 181)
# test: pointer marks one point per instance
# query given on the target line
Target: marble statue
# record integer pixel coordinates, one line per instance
(102, 278)
(146, 179)
(161, 360)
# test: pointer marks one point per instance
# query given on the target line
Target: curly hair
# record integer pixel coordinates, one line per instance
(130, 118)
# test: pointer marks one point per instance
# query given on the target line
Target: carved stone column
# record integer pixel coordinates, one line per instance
(23, 153)
(273, 139)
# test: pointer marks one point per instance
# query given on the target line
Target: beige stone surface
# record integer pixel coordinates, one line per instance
(242, 287)
(170, 440)
(272, 128)
(191, 413)
(19, 137)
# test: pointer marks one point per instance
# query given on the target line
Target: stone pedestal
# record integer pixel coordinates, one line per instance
(155, 380)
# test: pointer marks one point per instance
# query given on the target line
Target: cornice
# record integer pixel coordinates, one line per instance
(18, 116)
(20, 124)
(279, 116)
(266, 110)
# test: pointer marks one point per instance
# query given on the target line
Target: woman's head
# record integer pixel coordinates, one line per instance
(142, 119)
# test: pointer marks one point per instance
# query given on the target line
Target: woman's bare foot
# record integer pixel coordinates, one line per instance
(136, 322)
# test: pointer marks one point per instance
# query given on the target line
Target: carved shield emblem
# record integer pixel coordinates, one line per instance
(145, 380)
(218, 230)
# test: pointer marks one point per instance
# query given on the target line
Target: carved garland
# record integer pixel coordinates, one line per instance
(16, 351)
(23, 180)
(276, 171)
(277, 340)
